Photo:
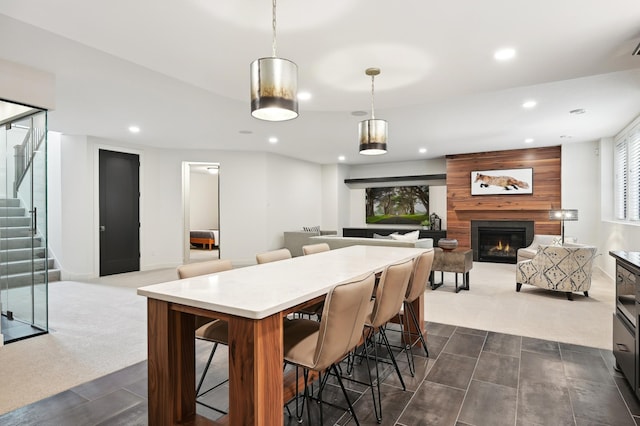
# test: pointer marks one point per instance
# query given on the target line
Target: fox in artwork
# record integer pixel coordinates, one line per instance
(507, 182)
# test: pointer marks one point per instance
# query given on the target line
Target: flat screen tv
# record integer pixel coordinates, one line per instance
(397, 205)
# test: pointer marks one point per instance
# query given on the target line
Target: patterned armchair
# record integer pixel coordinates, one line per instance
(558, 268)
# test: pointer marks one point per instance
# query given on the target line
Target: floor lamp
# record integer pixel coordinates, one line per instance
(563, 215)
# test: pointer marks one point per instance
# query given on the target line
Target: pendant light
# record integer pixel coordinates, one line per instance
(373, 132)
(274, 84)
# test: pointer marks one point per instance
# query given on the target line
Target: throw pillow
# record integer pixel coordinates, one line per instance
(382, 237)
(557, 241)
(311, 228)
(409, 236)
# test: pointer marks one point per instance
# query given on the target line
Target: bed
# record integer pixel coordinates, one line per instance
(206, 237)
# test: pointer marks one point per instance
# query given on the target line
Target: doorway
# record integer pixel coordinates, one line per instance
(119, 188)
(201, 184)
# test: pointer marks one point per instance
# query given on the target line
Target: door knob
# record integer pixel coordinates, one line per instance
(102, 228)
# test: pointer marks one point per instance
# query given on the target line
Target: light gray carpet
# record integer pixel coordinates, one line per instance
(100, 326)
(493, 304)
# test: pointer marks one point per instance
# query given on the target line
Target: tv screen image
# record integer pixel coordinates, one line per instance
(398, 205)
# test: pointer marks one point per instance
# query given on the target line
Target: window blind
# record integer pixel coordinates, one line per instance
(627, 176)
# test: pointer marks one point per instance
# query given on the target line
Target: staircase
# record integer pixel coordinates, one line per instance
(15, 247)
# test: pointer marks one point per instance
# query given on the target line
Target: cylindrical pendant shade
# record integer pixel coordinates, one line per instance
(373, 137)
(274, 88)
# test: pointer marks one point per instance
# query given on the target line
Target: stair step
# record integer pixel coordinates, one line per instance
(9, 202)
(20, 266)
(25, 279)
(12, 211)
(14, 221)
(21, 254)
(16, 231)
(18, 242)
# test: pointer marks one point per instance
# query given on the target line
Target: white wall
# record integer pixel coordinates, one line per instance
(581, 189)
(203, 201)
(27, 85)
(261, 196)
(294, 197)
(73, 243)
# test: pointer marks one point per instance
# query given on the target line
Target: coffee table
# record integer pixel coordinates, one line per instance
(458, 261)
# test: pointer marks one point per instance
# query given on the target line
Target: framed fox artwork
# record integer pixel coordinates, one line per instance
(502, 182)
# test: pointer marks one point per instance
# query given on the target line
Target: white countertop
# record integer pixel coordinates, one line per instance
(262, 290)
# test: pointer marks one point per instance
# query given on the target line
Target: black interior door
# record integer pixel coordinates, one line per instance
(119, 212)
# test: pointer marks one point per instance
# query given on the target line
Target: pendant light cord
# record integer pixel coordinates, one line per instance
(373, 116)
(273, 25)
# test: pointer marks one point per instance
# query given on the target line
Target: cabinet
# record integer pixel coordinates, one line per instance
(625, 319)
(368, 233)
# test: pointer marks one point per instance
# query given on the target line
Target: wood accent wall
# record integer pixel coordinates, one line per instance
(462, 207)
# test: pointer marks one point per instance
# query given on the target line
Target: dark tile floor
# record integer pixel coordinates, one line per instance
(472, 378)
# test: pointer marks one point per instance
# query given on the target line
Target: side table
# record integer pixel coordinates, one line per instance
(458, 260)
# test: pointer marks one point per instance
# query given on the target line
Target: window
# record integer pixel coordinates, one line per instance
(627, 175)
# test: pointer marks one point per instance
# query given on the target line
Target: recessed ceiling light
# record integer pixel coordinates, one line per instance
(359, 113)
(245, 132)
(134, 129)
(529, 104)
(578, 111)
(304, 96)
(504, 54)
(273, 139)
(529, 140)
(422, 150)
(341, 158)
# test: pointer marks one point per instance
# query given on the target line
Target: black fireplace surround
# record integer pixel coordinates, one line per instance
(499, 240)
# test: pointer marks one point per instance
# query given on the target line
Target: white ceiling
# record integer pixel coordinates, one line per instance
(180, 71)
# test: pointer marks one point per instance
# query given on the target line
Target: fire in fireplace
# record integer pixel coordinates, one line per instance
(499, 241)
(502, 250)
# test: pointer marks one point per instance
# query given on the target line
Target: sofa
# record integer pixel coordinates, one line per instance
(558, 268)
(294, 240)
(528, 252)
(336, 241)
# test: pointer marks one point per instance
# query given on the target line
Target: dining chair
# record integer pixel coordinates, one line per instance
(308, 249)
(214, 331)
(315, 248)
(320, 345)
(273, 256)
(416, 287)
(389, 296)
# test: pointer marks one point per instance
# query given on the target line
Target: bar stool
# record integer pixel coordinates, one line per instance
(389, 297)
(214, 331)
(273, 256)
(307, 250)
(319, 346)
(416, 287)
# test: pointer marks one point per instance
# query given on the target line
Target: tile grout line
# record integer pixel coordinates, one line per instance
(471, 378)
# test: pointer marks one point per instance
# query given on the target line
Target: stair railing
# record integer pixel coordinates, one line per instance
(24, 154)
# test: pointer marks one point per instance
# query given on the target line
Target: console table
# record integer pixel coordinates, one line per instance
(368, 233)
(458, 260)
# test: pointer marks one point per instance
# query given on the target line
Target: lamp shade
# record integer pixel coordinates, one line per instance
(274, 87)
(373, 137)
(563, 214)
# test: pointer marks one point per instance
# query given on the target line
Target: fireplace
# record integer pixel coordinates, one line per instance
(499, 240)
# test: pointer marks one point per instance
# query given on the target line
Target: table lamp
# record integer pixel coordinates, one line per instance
(563, 215)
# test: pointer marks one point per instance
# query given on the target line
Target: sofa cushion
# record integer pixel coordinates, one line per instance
(382, 237)
(409, 236)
